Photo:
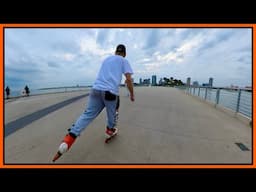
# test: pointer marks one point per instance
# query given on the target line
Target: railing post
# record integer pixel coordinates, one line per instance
(238, 100)
(205, 96)
(199, 92)
(194, 91)
(217, 97)
(187, 89)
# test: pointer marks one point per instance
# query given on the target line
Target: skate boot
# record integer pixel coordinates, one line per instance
(116, 118)
(110, 133)
(68, 140)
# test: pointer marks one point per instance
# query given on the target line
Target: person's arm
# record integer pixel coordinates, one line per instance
(130, 85)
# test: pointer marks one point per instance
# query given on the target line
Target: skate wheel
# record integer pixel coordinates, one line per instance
(108, 139)
(57, 156)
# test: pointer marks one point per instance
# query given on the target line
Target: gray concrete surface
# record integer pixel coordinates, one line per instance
(22, 106)
(162, 126)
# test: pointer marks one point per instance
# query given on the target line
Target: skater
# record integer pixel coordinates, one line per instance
(7, 90)
(104, 93)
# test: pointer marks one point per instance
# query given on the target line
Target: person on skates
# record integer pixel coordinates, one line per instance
(104, 93)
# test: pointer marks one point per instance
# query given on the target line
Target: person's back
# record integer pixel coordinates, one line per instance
(110, 74)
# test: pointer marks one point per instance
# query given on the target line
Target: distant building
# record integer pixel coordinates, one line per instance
(154, 80)
(205, 84)
(140, 81)
(188, 81)
(160, 82)
(195, 84)
(146, 82)
(210, 82)
(234, 86)
(248, 87)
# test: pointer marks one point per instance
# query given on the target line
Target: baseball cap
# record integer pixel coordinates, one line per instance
(121, 48)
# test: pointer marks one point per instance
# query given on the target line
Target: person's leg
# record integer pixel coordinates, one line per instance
(94, 107)
(111, 111)
(117, 110)
(117, 103)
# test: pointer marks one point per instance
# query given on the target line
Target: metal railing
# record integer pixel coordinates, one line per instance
(237, 100)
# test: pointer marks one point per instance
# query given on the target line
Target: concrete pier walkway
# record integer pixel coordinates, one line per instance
(162, 126)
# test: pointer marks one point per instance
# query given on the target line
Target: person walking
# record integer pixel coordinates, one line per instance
(8, 91)
(26, 90)
(104, 94)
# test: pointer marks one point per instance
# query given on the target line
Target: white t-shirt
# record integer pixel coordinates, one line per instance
(110, 74)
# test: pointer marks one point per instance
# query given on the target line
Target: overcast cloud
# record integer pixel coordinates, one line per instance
(50, 57)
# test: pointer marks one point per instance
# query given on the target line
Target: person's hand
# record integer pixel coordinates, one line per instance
(132, 98)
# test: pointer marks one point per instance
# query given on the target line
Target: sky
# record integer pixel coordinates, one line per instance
(53, 57)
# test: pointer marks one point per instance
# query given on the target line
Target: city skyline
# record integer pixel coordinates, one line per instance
(45, 57)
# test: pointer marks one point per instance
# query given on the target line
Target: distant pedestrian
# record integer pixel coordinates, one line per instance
(8, 92)
(26, 90)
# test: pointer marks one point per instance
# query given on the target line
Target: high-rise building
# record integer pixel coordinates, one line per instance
(188, 81)
(210, 81)
(140, 81)
(154, 80)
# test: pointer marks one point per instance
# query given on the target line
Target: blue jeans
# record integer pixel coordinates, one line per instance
(96, 104)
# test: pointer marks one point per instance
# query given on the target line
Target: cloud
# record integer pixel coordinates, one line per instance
(152, 39)
(245, 59)
(159, 60)
(102, 37)
(65, 56)
(88, 46)
(75, 54)
(53, 64)
(69, 46)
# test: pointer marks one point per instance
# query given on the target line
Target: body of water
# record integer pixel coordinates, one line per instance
(239, 100)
